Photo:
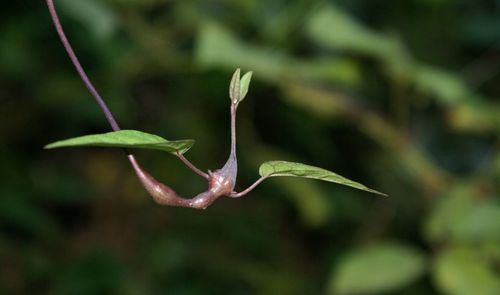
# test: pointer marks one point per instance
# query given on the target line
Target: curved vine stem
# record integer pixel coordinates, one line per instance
(93, 91)
(249, 189)
(79, 68)
(220, 182)
(191, 166)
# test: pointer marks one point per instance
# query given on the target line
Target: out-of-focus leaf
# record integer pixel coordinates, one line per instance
(333, 28)
(340, 70)
(376, 269)
(283, 168)
(93, 14)
(127, 139)
(464, 271)
(475, 115)
(461, 217)
(480, 224)
(349, 33)
(218, 47)
(445, 86)
(448, 211)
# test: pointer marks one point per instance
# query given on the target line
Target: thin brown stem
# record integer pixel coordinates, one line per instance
(192, 166)
(249, 189)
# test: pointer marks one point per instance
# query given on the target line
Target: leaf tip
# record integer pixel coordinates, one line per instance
(50, 146)
(380, 193)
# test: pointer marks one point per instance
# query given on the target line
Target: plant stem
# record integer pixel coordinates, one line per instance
(233, 131)
(79, 68)
(220, 183)
(230, 168)
(164, 195)
(191, 166)
(83, 75)
(249, 189)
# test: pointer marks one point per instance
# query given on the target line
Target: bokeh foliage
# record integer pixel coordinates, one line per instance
(400, 95)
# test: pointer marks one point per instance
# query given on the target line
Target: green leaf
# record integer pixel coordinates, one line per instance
(463, 271)
(283, 168)
(234, 87)
(377, 269)
(244, 84)
(126, 139)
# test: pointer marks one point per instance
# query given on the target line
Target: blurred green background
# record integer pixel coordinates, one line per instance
(402, 96)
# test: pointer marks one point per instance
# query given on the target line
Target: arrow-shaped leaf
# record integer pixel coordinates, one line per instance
(126, 139)
(283, 168)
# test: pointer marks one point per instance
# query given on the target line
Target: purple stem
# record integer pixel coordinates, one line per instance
(249, 189)
(191, 166)
(79, 68)
(220, 183)
(164, 195)
(109, 116)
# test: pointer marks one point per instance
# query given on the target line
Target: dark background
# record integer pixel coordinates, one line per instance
(402, 96)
